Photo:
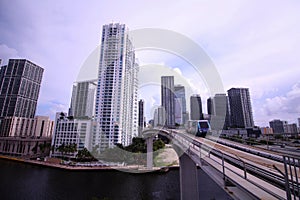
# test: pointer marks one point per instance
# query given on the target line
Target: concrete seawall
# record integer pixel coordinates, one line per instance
(84, 168)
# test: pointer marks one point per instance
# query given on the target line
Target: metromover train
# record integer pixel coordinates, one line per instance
(198, 128)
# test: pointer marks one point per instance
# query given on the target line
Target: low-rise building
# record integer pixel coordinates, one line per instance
(69, 131)
(26, 147)
(235, 132)
(266, 130)
(290, 129)
(26, 137)
(39, 126)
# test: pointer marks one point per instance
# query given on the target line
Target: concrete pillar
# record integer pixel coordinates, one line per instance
(27, 145)
(188, 178)
(149, 142)
(11, 147)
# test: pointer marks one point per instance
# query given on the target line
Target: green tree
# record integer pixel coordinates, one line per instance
(61, 149)
(84, 155)
(42, 147)
(158, 144)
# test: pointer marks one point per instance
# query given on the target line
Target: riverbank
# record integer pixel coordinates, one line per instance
(26, 181)
(132, 168)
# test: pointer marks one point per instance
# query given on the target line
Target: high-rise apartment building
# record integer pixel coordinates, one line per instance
(116, 98)
(196, 107)
(168, 99)
(83, 99)
(240, 107)
(20, 82)
(180, 104)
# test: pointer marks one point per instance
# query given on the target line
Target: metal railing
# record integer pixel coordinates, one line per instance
(292, 171)
(287, 180)
(242, 166)
(278, 180)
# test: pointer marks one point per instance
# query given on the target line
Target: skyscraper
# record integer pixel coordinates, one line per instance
(240, 107)
(116, 98)
(277, 125)
(180, 104)
(218, 109)
(141, 121)
(20, 131)
(168, 99)
(20, 82)
(83, 99)
(210, 106)
(196, 107)
(159, 118)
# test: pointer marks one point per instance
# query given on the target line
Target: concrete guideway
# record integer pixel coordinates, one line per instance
(236, 176)
(258, 163)
(234, 165)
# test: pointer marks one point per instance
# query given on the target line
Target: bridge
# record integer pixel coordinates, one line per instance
(243, 171)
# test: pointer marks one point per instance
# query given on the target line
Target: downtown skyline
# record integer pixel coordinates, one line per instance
(260, 47)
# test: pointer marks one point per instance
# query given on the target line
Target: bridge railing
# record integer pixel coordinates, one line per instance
(243, 166)
(278, 180)
(287, 181)
(292, 172)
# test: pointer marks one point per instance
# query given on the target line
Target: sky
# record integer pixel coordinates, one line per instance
(253, 44)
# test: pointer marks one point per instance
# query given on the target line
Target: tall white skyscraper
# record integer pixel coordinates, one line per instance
(116, 98)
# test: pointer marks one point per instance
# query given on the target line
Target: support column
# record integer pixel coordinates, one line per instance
(149, 142)
(11, 147)
(188, 178)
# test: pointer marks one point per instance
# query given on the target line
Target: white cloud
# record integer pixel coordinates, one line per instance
(51, 108)
(176, 69)
(285, 107)
(253, 44)
(7, 52)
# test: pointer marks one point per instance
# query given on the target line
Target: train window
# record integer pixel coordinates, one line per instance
(203, 124)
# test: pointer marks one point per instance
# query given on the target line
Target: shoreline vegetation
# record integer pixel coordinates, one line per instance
(134, 155)
(128, 168)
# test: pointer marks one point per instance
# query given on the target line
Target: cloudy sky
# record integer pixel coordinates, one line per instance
(254, 44)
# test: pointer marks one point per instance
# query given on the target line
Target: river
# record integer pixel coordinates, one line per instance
(25, 181)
